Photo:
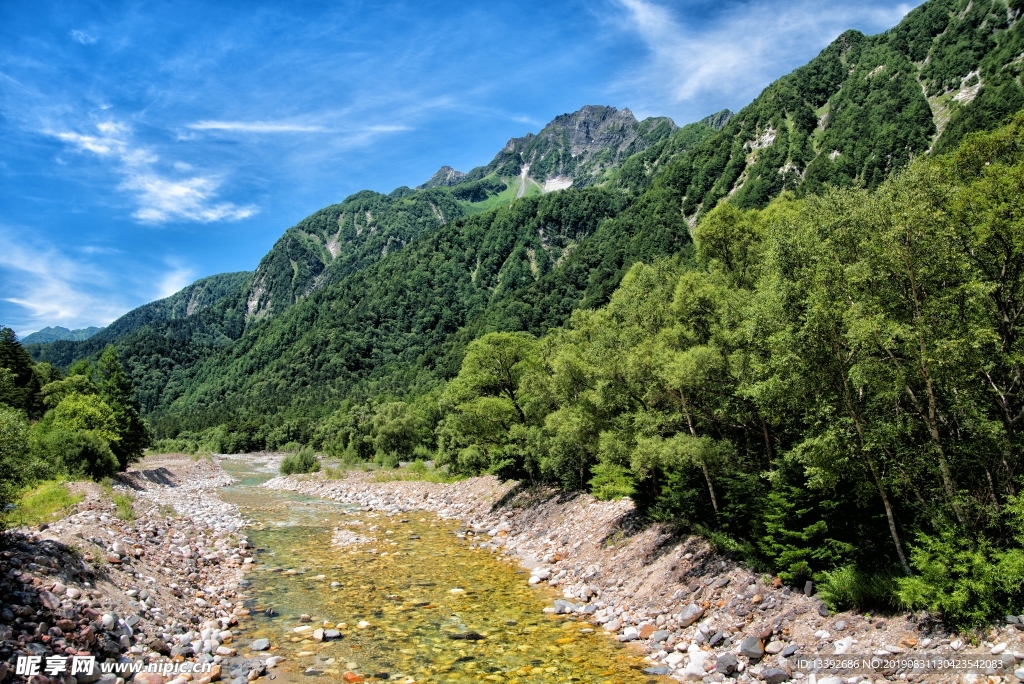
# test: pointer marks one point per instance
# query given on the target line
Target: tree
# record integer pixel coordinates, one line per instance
(116, 390)
(13, 457)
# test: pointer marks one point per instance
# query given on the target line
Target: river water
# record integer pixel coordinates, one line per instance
(432, 607)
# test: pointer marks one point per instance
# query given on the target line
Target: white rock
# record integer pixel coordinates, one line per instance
(821, 634)
(843, 645)
(998, 648)
(673, 659)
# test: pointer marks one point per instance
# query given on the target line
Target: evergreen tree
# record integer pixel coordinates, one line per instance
(116, 390)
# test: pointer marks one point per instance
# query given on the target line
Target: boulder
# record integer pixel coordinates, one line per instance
(690, 614)
(752, 648)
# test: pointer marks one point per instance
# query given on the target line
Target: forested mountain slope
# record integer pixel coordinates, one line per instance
(378, 295)
(57, 333)
(865, 107)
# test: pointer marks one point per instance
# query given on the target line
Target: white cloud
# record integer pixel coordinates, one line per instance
(175, 280)
(82, 37)
(160, 198)
(54, 289)
(742, 50)
(255, 127)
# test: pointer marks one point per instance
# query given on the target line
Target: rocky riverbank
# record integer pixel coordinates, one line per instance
(167, 584)
(699, 616)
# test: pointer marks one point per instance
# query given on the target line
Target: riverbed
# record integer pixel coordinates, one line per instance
(406, 596)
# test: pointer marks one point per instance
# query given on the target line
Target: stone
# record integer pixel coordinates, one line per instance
(148, 678)
(318, 634)
(789, 650)
(691, 613)
(59, 589)
(49, 599)
(563, 606)
(660, 635)
(260, 644)
(304, 618)
(612, 626)
(842, 646)
(775, 675)
(774, 647)
(727, 663)
(840, 625)
(272, 661)
(646, 631)
(629, 634)
(823, 610)
(108, 620)
(998, 648)
(752, 648)
(673, 659)
(332, 634)
(73, 593)
(808, 588)
(657, 670)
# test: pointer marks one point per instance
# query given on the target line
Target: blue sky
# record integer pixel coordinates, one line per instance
(145, 145)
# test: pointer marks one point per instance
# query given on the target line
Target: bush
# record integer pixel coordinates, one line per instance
(968, 581)
(611, 482)
(13, 456)
(76, 454)
(847, 587)
(303, 462)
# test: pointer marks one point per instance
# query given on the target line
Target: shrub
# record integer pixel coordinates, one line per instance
(76, 454)
(611, 482)
(13, 455)
(303, 462)
(847, 587)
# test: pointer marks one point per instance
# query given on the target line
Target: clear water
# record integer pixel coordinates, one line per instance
(401, 585)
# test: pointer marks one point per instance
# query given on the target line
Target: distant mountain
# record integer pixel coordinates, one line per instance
(57, 333)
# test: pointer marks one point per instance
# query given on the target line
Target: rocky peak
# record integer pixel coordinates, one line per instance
(446, 176)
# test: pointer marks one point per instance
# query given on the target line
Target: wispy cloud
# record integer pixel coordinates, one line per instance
(160, 198)
(174, 280)
(52, 288)
(744, 47)
(256, 127)
(82, 37)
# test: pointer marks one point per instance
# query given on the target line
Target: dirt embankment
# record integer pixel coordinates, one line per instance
(699, 616)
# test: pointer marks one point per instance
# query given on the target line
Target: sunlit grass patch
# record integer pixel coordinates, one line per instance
(44, 503)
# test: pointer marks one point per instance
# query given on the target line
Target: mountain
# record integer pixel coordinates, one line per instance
(378, 296)
(57, 333)
(865, 106)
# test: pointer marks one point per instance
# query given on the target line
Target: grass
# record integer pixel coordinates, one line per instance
(44, 503)
(125, 506)
(415, 471)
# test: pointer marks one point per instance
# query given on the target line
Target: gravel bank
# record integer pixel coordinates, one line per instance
(167, 584)
(699, 616)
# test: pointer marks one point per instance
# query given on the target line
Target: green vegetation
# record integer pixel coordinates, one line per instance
(125, 506)
(829, 384)
(84, 424)
(303, 462)
(43, 503)
(793, 330)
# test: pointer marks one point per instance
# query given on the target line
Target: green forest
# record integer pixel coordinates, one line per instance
(793, 329)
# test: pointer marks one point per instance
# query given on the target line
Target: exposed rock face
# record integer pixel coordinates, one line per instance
(584, 144)
(446, 177)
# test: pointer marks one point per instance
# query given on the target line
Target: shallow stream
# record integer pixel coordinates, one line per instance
(433, 608)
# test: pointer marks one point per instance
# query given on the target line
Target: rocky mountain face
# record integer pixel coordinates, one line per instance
(446, 177)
